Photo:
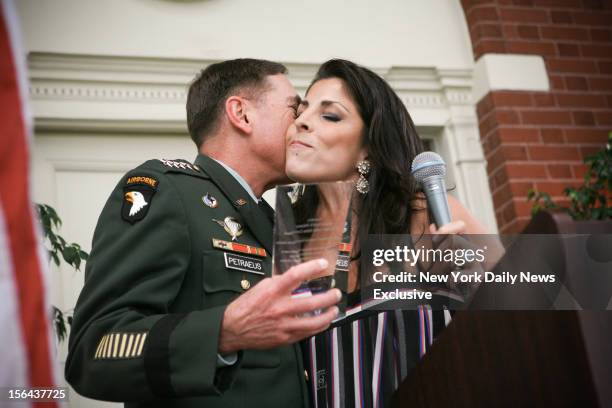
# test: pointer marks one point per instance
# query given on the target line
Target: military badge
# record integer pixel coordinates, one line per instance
(240, 202)
(210, 201)
(179, 164)
(137, 196)
(120, 346)
(240, 248)
(231, 226)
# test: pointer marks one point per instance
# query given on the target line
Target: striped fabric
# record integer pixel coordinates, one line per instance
(361, 362)
(27, 352)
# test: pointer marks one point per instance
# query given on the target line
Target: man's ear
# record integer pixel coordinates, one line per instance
(236, 110)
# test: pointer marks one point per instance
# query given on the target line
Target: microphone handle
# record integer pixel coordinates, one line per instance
(435, 191)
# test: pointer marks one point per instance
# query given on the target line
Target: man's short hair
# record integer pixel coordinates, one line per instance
(213, 85)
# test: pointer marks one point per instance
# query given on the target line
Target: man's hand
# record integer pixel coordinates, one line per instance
(267, 316)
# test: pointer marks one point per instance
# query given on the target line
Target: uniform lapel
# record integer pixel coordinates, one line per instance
(255, 219)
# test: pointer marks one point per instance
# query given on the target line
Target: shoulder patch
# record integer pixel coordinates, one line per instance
(137, 197)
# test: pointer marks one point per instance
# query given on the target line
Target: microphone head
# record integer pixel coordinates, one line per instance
(428, 164)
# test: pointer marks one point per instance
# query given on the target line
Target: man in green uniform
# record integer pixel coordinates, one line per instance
(178, 307)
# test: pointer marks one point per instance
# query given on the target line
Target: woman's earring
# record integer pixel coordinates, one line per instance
(363, 167)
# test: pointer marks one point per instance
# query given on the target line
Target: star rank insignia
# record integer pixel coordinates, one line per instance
(179, 165)
(138, 194)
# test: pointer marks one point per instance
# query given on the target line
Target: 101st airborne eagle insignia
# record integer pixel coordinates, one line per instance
(137, 195)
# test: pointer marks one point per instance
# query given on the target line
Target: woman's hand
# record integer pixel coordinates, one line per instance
(455, 227)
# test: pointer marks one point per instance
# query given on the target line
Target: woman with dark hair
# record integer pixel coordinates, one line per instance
(352, 126)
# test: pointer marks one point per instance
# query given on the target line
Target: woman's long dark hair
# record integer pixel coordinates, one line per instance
(391, 142)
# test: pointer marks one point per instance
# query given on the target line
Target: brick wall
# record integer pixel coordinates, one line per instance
(538, 139)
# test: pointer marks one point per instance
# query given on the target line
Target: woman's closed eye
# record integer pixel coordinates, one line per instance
(332, 117)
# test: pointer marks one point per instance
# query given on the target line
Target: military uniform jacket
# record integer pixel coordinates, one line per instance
(165, 262)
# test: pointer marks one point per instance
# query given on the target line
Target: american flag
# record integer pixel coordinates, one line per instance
(26, 355)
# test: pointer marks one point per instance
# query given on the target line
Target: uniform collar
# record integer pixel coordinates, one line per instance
(239, 179)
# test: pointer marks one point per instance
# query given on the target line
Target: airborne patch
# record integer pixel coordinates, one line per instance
(137, 196)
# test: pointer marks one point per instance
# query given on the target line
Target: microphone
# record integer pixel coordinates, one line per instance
(429, 170)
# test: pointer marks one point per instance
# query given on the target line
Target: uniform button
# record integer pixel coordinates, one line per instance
(306, 375)
(245, 284)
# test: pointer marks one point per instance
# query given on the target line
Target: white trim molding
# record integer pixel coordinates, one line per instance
(88, 94)
(512, 72)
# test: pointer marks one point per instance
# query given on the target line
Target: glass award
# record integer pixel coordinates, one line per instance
(314, 221)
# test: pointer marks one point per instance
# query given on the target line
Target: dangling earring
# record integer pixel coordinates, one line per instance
(363, 167)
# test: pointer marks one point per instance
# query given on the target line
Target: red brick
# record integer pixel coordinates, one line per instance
(560, 171)
(605, 67)
(468, 4)
(576, 83)
(484, 105)
(552, 135)
(524, 15)
(586, 151)
(564, 33)
(586, 135)
(507, 117)
(579, 170)
(568, 50)
(489, 46)
(521, 223)
(509, 98)
(583, 118)
(498, 178)
(482, 13)
(580, 100)
(604, 118)
(600, 84)
(487, 124)
(593, 18)
(487, 30)
(507, 153)
(544, 99)
(609, 99)
(519, 135)
(531, 47)
(559, 3)
(522, 207)
(546, 117)
(601, 35)
(526, 171)
(522, 2)
(508, 213)
(491, 143)
(495, 160)
(556, 82)
(554, 188)
(510, 31)
(596, 50)
(596, 4)
(553, 153)
(501, 197)
(561, 17)
(528, 31)
(571, 65)
(520, 188)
